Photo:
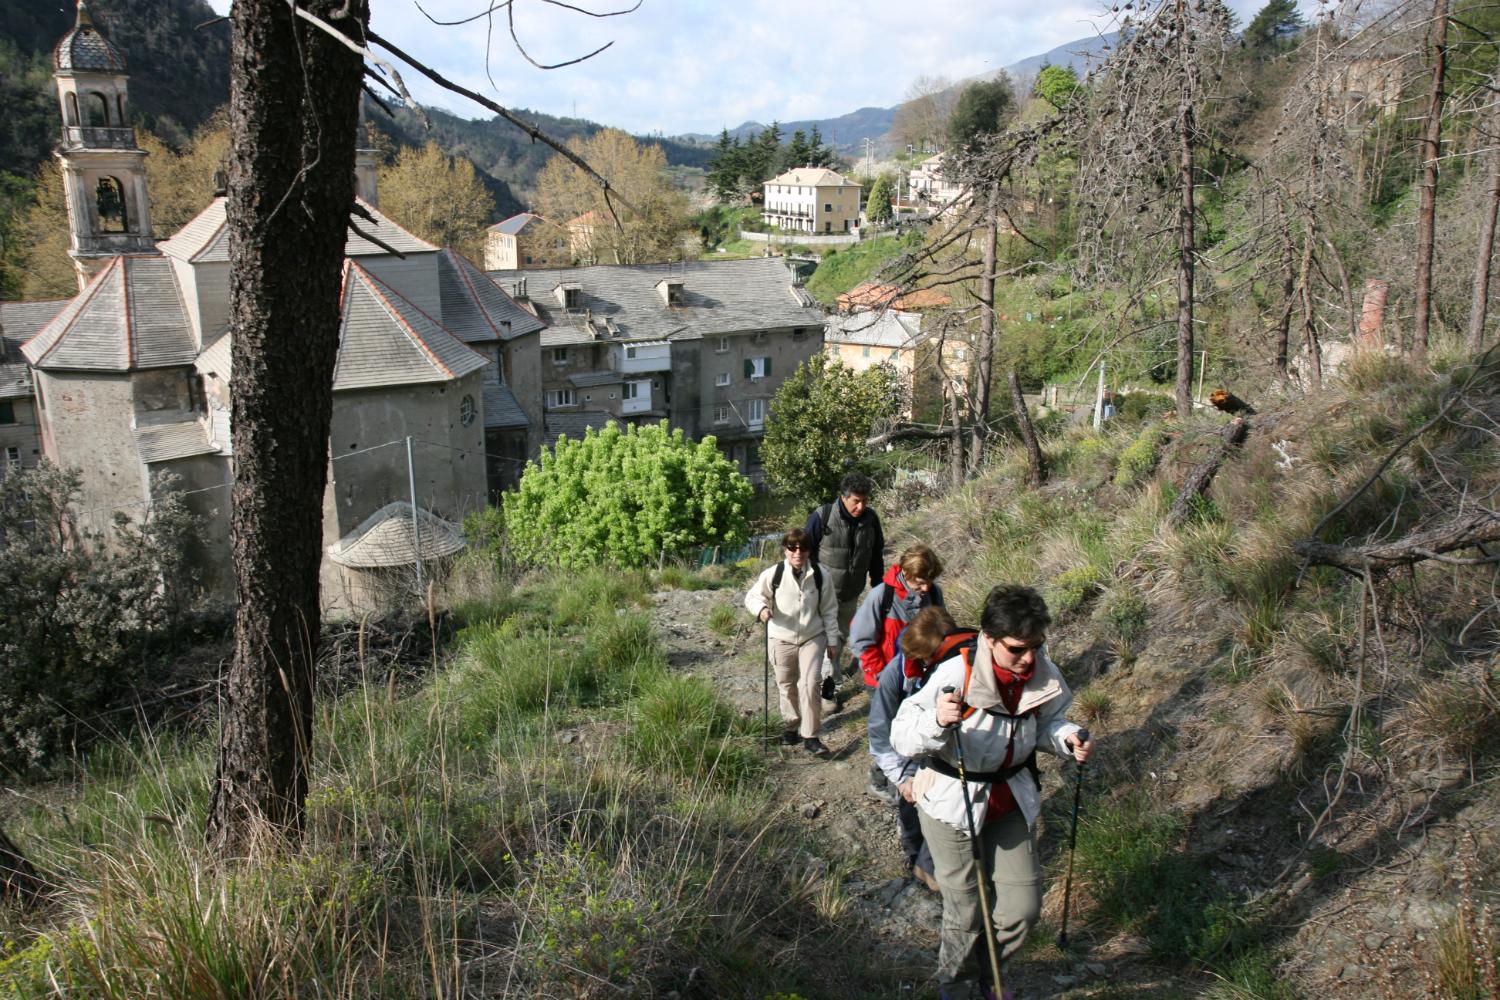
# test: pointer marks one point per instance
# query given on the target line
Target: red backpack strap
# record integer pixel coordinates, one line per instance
(968, 676)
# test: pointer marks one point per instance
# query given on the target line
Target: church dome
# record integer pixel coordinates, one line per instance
(84, 48)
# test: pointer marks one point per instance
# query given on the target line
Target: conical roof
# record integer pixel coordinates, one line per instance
(84, 48)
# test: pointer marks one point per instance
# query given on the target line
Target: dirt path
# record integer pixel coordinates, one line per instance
(827, 797)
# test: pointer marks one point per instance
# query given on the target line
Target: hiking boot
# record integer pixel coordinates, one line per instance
(790, 738)
(815, 746)
(926, 878)
(882, 789)
(830, 695)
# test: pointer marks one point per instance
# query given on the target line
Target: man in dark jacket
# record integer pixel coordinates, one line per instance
(850, 547)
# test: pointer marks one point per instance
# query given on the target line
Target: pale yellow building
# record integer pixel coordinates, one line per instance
(812, 200)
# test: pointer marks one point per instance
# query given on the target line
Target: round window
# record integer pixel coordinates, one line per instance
(466, 410)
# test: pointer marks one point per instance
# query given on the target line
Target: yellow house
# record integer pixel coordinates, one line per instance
(812, 200)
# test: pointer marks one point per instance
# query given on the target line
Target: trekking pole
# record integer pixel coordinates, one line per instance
(978, 852)
(765, 686)
(1062, 937)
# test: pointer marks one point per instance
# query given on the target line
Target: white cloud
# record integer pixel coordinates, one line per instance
(696, 65)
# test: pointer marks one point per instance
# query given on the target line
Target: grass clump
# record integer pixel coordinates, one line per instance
(1068, 591)
(680, 726)
(1138, 460)
(723, 619)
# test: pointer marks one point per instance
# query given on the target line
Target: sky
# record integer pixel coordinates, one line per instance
(678, 66)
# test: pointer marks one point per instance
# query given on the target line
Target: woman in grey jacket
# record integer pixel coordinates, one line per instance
(1006, 700)
(800, 610)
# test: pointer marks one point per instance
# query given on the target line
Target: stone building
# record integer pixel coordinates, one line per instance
(702, 344)
(20, 438)
(812, 200)
(524, 240)
(131, 377)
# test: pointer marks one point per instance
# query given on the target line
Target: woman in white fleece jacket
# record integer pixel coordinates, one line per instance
(801, 614)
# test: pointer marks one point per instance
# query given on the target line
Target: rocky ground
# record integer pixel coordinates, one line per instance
(828, 798)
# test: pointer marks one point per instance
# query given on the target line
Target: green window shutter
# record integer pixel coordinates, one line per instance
(749, 368)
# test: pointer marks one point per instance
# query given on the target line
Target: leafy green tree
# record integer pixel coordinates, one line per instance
(878, 206)
(981, 110)
(1056, 84)
(819, 423)
(624, 497)
(438, 197)
(41, 239)
(1272, 29)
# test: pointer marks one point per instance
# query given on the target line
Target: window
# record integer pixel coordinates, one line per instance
(722, 346)
(109, 202)
(757, 412)
(827, 207)
(636, 390)
(13, 460)
(758, 337)
(630, 353)
(721, 414)
(799, 334)
(7, 412)
(559, 355)
(196, 401)
(867, 351)
(557, 398)
(721, 379)
(757, 368)
(572, 298)
(466, 410)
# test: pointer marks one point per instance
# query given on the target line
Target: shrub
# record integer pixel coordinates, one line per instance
(1142, 406)
(680, 726)
(1138, 459)
(1068, 591)
(1124, 614)
(623, 497)
(723, 619)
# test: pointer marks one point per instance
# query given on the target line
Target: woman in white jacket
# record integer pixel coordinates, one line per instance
(1006, 701)
(800, 609)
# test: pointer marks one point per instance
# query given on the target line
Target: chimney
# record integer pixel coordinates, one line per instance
(366, 169)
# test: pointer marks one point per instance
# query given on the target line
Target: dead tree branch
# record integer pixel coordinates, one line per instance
(1455, 535)
(1202, 476)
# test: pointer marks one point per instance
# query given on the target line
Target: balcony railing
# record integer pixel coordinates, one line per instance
(98, 137)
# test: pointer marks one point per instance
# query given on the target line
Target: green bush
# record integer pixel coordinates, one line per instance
(1142, 406)
(625, 497)
(1068, 591)
(1138, 460)
(1124, 613)
(680, 726)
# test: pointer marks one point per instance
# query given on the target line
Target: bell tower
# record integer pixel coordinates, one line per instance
(104, 171)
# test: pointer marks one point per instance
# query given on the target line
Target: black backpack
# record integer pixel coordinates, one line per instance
(781, 571)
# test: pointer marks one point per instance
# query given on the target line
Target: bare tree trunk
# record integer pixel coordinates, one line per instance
(1309, 316)
(1480, 305)
(1345, 291)
(293, 115)
(19, 882)
(1036, 465)
(1288, 290)
(985, 362)
(1185, 259)
(1427, 206)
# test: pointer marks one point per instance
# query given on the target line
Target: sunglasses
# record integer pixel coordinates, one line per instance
(797, 548)
(1021, 649)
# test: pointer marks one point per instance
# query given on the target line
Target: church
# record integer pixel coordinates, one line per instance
(130, 378)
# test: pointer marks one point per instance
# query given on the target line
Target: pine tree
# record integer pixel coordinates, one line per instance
(1273, 28)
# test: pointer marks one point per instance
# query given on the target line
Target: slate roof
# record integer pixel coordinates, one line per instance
(475, 308)
(501, 410)
(587, 380)
(130, 317)
(812, 177)
(205, 238)
(19, 322)
(874, 329)
(215, 359)
(513, 225)
(84, 48)
(574, 424)
(388, 341)
(176, 435)
(720, 296)
(385, 539)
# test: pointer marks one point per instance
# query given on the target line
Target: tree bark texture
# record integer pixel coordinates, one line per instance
(1288, 292)
(1309, 315)
(1480, 306)
(294, 101)
(19, 882)
(1185, 260)
(1036, 464)
(1432, 129)
(984, 367)
(1201, 477)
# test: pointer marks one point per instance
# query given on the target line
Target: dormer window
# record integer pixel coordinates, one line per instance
(570, 296)
(672, 291)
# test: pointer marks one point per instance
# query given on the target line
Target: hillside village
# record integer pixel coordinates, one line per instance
(1180, 340)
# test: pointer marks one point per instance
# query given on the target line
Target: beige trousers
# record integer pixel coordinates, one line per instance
(799, 682)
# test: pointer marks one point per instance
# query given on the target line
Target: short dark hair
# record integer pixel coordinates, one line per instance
(926, 632)
(856, 484)
(795, 537)
(1014, 611)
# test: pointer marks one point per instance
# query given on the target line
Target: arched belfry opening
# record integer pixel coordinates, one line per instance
(110, 206)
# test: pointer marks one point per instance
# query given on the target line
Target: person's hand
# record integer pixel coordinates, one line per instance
(905, 789)
(1081, 748)
(950, 709)
(765, 614)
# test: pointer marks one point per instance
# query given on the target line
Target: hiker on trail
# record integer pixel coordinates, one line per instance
(850, 547)
(907, 587)
(1007, 701)
(796, 601)
(920, 648)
